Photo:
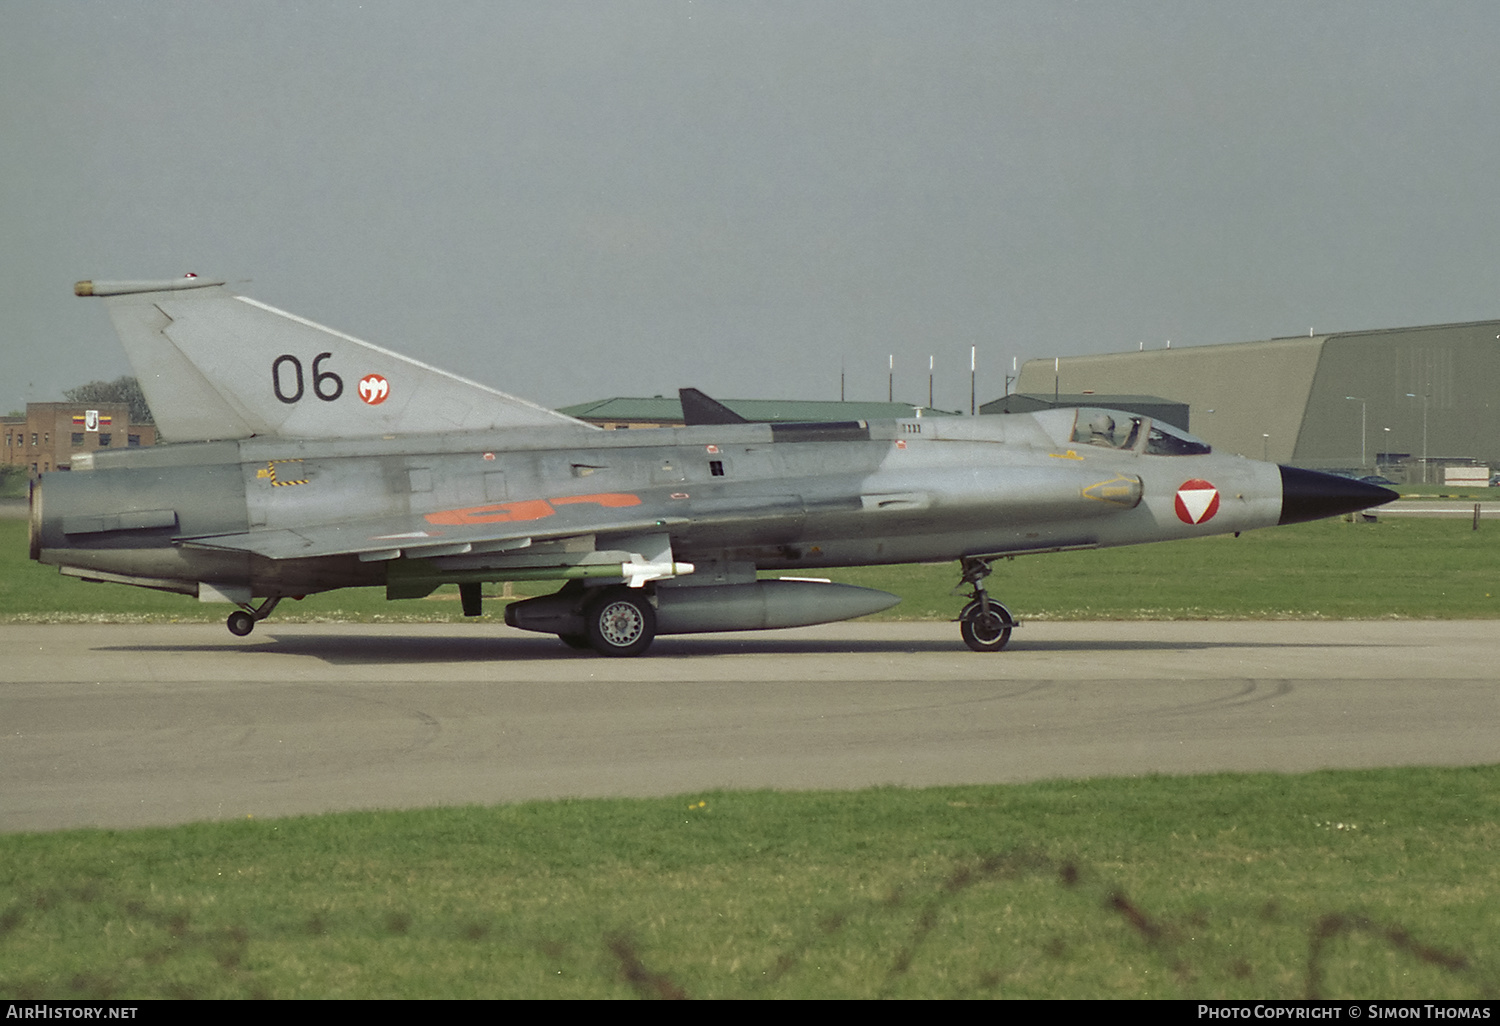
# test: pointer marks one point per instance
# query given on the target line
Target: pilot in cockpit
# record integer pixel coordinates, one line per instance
(1102, 430)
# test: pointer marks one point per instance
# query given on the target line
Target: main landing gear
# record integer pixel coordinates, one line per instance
(984, 623)
(619, 622)
(243, 620)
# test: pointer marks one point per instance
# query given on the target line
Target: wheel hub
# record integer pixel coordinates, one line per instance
(989, 627)
(621, 623)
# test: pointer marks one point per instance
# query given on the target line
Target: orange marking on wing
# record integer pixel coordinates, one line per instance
(526, 509)
(501, 513)
(612, 500)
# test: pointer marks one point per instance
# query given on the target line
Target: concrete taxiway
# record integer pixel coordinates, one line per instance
(118, 726)
(1443, 509)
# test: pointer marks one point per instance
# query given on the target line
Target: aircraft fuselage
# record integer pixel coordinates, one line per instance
(920, 490)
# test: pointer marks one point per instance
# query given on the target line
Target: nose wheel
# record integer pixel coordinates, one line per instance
(984, 624)
(985, 630)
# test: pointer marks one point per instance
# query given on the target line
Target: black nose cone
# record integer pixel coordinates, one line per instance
(1311, 495)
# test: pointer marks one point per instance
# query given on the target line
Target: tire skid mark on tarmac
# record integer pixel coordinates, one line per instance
(432, 726)
(1017, 689)
(1253, 691)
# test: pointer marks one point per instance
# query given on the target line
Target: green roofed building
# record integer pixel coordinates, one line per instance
(661, 411)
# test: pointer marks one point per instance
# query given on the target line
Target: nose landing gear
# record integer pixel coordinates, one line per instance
(984, 624)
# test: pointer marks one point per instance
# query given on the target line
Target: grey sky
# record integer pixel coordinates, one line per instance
(574, 200)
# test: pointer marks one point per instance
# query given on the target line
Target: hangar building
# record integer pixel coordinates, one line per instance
(1405, 400)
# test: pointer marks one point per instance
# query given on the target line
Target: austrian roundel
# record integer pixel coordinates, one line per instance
(1197, 501)
(374, 389)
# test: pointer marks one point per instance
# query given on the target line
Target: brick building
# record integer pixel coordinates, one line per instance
(51, 433)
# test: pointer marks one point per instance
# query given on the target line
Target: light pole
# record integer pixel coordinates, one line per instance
(1362, 403)
(1423, 397)
(1265, 447)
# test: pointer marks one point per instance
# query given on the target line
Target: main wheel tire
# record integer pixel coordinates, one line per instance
(985, 633)
(240, 623)
(621, 622)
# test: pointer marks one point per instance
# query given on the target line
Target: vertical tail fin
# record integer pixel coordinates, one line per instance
(216, 365)
(699, 408)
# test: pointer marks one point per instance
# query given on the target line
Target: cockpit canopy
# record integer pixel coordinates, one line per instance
(1115, 429)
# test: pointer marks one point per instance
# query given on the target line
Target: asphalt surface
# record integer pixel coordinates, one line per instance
(120, 726)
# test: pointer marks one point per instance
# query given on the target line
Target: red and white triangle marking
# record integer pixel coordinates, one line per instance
(1197, 501)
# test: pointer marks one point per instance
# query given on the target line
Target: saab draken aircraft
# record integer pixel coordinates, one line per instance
(303, 460)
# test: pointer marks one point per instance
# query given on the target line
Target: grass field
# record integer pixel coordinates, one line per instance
(1398, 567)
(1337, 884)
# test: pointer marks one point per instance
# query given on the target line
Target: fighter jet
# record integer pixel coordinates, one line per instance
(303, 460)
